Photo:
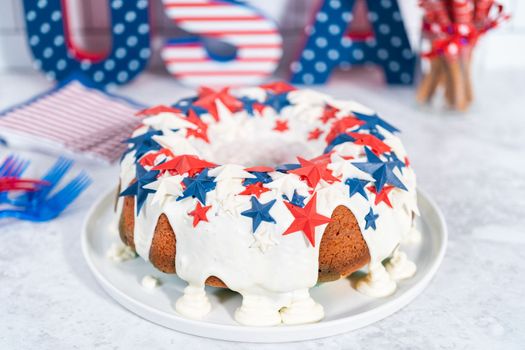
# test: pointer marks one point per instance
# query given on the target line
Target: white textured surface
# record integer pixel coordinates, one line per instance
(473, 165)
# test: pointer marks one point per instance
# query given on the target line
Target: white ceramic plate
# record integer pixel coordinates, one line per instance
(345, 308)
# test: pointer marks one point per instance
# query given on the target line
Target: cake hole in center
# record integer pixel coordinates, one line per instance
(266, 151)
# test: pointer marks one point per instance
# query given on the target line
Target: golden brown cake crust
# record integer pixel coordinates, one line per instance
(163, 246)
(342, 251)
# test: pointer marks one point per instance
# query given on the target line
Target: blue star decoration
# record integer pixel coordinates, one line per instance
(259, 177)
(186, 105)
(297, 199)
(392, 157)
(247, 104)
(198, 186)
(284, 168)
(370, 219)
(259, 212)
(144, 143)
(356, 186)
(277, 101)
(144, 177)
(381, 171)
(339, 139)
(372, 122)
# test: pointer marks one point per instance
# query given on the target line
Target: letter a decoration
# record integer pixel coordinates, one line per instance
(55, 53)
(331, 44)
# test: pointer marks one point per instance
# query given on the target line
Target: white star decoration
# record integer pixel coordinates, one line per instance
(349, 149)
(308, 98)
(230, 171)
(167, 120)
(343, 167)
(287, 184)
(166, 186)
(232, 203)
(175, 143)
(227, 187)
(263, 240)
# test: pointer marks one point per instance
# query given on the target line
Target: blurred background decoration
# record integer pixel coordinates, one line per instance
(224, 41)
(112, 45)
(452, 30)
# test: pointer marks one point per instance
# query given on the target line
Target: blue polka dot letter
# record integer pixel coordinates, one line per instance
(330, 44)
(56, 55)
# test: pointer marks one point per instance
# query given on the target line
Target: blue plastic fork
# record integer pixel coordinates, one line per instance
(12, 167)
(50, 208)
(52, 178)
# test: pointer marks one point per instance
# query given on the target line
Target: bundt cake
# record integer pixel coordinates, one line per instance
(267, 191)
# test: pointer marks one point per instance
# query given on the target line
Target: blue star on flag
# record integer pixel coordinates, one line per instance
(297, 199)
(144, 177)
(198, 186)
(259, 212)
(370, 219)
(356, 186)
(277, 101)
(382, 172)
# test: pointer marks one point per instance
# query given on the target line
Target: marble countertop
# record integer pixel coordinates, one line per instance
(473, 165)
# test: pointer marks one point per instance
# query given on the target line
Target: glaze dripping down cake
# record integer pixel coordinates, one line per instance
(267, 191)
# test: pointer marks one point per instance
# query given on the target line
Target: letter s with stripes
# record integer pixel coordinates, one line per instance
(253, 41)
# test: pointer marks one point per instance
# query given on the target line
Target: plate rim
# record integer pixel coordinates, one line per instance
(279, 334)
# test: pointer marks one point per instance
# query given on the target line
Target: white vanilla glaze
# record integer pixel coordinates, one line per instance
(272, 272)
(150, 282)
(119, 252)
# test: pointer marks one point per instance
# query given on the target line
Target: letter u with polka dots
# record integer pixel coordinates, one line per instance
(57, 56)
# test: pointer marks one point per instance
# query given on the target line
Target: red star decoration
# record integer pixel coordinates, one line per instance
(259, 107)
(407, 162)
(208, 97)
(260, 169)
(157, 109)
(306, 219)
(201, 132)
(185, 164)
(313, 172)
(377, 146)
(383, 195)
(315, 134)
(278, 87)
(281, 125)
(199, 213)
(328, 113)
(149, 159)
(256, 189)
(340, 126)
(323, 158)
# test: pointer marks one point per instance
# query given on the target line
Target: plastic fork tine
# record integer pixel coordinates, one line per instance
(9, 167)
(5, 164)
(52, 178)
(55, 173)
(16, 167)
(20, 168)
(67, 194)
